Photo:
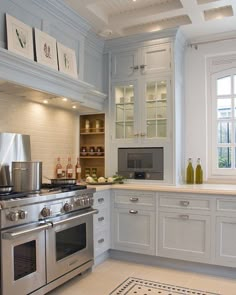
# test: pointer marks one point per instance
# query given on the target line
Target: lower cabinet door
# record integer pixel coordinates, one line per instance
(225, 241)
(184, 236)
(133, 231)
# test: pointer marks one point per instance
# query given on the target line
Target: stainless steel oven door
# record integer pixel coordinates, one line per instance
(69, 243)
(23, 259)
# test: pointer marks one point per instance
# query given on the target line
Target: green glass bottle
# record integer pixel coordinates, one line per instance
(199, 172)
(190, 172)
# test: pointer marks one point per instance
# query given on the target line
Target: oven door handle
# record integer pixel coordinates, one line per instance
(90, 212)
(15, 235)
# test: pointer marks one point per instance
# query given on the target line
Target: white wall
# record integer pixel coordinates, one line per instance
(196, 97)
(53, 132)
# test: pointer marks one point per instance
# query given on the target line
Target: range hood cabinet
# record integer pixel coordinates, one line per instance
(30, 74)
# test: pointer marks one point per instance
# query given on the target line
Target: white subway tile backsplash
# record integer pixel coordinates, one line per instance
(53, 131)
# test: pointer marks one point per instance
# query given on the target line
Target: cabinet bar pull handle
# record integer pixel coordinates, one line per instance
(184, 203)
(101, 241)
(134, 67)
(142, 134)
(101, 218)
(133, 211)
(133, 199)
(185, 217)
(136, 134)
(100, 200)
(142, 66)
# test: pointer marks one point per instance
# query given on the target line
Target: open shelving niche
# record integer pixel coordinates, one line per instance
(92, 137)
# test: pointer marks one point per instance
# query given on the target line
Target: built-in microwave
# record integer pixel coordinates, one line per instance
(141, 163)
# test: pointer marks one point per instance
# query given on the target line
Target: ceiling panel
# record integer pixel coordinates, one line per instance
(115, 18)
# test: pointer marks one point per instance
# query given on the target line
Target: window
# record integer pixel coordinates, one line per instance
(223, 140)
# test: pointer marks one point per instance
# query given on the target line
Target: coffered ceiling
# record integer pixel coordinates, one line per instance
(115, 18)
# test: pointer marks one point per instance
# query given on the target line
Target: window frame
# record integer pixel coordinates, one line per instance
(214, 171)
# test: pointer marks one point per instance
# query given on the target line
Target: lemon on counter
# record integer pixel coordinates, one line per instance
(101, 179)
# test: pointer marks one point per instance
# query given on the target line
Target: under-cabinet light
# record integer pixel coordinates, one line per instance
(45, 101)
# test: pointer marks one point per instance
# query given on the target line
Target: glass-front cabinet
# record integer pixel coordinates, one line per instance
(141, 109)
(156, 109)
(125, 110)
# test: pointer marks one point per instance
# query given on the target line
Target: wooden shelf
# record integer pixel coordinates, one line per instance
(91, 157)
(91, 133)
(92, 138)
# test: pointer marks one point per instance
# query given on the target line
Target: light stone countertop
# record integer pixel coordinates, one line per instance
(209, 189)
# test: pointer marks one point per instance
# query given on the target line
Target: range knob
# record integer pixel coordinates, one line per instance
(45, 212)
(13, 216)
(80, 202)
(22, 214)
(67, 207)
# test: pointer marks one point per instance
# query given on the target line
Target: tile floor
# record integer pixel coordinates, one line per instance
(108, 275)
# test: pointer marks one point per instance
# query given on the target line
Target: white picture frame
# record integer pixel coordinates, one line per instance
(19, 37)
(67, 60)
(46, 49)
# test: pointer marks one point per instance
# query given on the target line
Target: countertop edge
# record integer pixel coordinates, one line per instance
(208, 189)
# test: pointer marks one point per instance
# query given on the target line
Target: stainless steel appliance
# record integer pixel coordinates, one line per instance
(27, 176)
(13, 147)
(141, 163)
(46, 238)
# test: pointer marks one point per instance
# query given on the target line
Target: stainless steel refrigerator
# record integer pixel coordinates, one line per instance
(13, 147)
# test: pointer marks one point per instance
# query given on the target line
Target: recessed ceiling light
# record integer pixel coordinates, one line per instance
(64, 99)
(74, 107)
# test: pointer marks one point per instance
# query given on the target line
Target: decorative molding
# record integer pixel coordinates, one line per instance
(20, 70)
(65, 14)
(136, 40)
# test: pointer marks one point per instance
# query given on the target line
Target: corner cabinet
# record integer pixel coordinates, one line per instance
(92, 145)
(146, 96)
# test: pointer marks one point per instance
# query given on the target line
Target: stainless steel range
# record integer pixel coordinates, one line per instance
(46, 238)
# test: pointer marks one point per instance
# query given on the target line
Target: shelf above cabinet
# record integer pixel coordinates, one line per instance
(18, 70)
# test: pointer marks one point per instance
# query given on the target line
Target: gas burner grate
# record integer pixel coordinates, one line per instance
(135, 286)
(63, 187)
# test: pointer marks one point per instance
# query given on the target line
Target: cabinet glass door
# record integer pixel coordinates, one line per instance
(124, 108)
(156, 109)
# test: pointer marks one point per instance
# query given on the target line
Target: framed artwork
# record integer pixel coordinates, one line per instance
(19, 37)
(67, 60)
(46, 49)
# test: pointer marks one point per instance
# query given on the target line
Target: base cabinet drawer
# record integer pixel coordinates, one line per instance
(225, 241)
(133, 230)
(184, 236)
(101, 242)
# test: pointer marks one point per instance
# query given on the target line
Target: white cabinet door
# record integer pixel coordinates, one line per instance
(156, 58)
(124, 64)
(133, 231)
(184, 236)
(225, 241)
(124, 110)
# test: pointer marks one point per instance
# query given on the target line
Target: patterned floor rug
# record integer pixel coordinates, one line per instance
(135, 286)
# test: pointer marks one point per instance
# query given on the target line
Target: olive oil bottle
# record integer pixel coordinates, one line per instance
(190, 172)
(199, 172)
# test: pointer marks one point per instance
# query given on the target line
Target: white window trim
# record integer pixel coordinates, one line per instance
(217, 67)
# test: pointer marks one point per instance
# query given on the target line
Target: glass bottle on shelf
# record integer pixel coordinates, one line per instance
(69, 169)
(78, 170)
(199, 172)
(190, 172)
(58, 168)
